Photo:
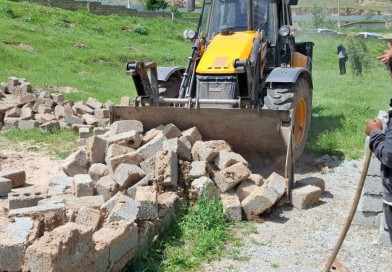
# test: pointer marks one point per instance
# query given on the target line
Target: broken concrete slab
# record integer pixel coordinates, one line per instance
(231, 176)
(61, 185)
(17, 177)
(90, 218)
(305, 196)
(127, 175)
(23, 200)
(147, 197)
(166, 168)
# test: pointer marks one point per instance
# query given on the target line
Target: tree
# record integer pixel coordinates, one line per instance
(156, 4)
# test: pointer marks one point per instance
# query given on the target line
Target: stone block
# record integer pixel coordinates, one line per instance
(72, 119)
(256, 179)
(178, 147)
(48, 102)
(171, 131)
(14, 239)
(231, 176)
(83, 185)
(27, 114)
(314, 181)
(5, 186)
(245, 189)
(148, 180)
(130, 139)
(192, 135)
(23, 200)
(152, 147)
(207, 151)
(27, 98)
(306, 196)
(27, 124)
(49, 126)
(127, 175)
(152, 134)
(107, 104)
(126, 126)
(107, 187)
(101, 113)
(80, 108)
(12, 83)
(148, 165)
(198, 169)
(146, 196)
(90, 218)
(115, 150)
(127, 209)
(42, 109)
(84, 133)
(166, 168)
(130, 158)
(58, 98)
(44, 94)
(17, 177)
(96, 147)
(93, 103)
(61, 185)
(14, 112)
(373, 186)
(277, 182)
(76, 163)
(98, 170)
(90, 119)
(231, 206)
(204, 186)
(44, 118)
(98, 131)
(374, 167)
(11, 122)
(365, 219)
(226, 158)
(93, 202)
(260, 200)
(371, 203)
(63, 249)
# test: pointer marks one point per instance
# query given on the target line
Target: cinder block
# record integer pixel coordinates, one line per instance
(207, 151)
(99, 131)
(204, 186)
(63, 249)
(306, 196)
(178, 147)
(57, 98)
(24, 200)
(27, 124)
(126, 126)
(314, 181)
(61, 185)
(72, 119)
(76, 163)
(90, 119)
(231, 206)
(365, 219)
(49, 126)
(192, 135)
(127, 175)
(101, 113)
(83, 185)
(14, 237)
(98, 170)
(152, 147)
(126, 209)
(198, 169)
(84, 132)
(166, 168)
(17, 177)
(80, 108)
(226, 158)
(130, 158)
(148, 180)
(152, 134)
(371, 203)
(96, 147)
(231, 176)
(245, 189)
(115, 150)
(373, 186)
(107, 187)
(93, 103)
(146, 196)
(171, 131)
(260, 200)
(130, 138)
(374, 167)
(90, 218)
(5, 186)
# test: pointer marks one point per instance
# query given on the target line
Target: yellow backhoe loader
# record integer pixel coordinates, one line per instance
(247, 82)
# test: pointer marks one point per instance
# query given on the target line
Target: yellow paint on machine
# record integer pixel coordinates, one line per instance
(223, 50)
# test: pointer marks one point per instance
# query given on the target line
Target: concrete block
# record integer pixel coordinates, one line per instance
(146, 196)
(245, 189)
(57, 98)
(99, 131)
(98, 170)
(27, 98)
(93, 202)
(72, 119)
(27, 114)
(306, 196)
(166, 168)
(76, 163)
(61, 185)
(84, 133)
(17, 177)
(107, 187)
(260, 200)
(12, 83)
(14, 112)
(49, 126)
(207, 151)
(192, 135)
(42, 109)
(14, 239)
(115, 150)
(127, 210)
(126, 126)
(93, 103)
(152, 134)
(374, 167)
(63, 249)
(96, 147)
(314, 181)
(24, 200)
(148, 180)
(130, 158)
(371, 203)
(231, 206)
(90, 218)
(48, 102)
(148, 165)
(256, 179)
(101, 113)
(5, 186)
(365, 219)
(130, 138)
(45, 117)
(178, 147)
(90, 119)
(198, 169)
(108, 206)
(152, 147)
(204, 186)
(185, 141)
(231, 176)
(11, 122)
(277, 182)
(83, 185)
(226, 158)
(373, 186)
(127, 175)
(80, 108)
(171, 131)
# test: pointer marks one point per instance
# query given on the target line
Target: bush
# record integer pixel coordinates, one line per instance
(156, 4)
(358, 56)
(140, 29)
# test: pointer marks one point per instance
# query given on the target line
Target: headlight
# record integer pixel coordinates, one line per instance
(284, 31)
(189, 34)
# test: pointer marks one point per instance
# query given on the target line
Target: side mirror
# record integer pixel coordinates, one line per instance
(191, 5)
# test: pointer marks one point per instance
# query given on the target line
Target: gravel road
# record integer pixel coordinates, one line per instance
(299, 240)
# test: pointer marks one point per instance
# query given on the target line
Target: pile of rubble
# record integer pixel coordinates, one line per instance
(122, 188)
(22, 107)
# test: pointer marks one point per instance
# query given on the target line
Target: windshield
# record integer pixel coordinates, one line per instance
(232, 14)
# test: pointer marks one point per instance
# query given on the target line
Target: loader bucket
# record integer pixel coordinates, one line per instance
(263, 137)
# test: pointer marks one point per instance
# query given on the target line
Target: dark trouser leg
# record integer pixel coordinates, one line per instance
(342, 66)
(388, 218)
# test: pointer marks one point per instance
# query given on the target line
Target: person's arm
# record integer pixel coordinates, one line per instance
(387, 56)
(380, 143)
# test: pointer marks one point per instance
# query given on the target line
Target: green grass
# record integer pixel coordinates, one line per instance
(381, 5)
(59, 143)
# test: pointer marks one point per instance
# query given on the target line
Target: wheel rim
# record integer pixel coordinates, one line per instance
(300, 121)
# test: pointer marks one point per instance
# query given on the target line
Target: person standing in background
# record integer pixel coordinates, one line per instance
(343, 57)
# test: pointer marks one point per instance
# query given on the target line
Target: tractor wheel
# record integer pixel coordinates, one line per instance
(171, 87)
(299, 98)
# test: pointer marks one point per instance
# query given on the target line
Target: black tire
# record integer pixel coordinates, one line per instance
(171, 87)
(298, 97)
